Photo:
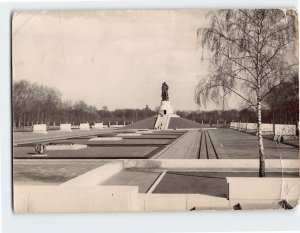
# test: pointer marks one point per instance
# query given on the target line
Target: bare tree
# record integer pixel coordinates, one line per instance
(252, 53)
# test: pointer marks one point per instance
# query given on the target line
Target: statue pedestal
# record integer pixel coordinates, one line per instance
(165, 112)
(165, 108)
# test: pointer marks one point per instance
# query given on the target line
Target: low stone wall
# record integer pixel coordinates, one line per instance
(280, 129)
(213, 164)
(267, 128)
(181, 202)
(60, 199)
(249, 188)
(242, 126)
(251, 127)
(285, 130)
(234, 125)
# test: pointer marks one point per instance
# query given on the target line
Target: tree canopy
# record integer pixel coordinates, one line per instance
(34, 103)
(252, 51)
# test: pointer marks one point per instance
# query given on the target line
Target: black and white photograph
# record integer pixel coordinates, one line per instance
(155, 110)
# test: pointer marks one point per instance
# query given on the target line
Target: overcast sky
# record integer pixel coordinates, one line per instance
(117, 59)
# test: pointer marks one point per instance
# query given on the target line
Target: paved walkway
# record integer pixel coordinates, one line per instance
(185, 147)
(231, 144)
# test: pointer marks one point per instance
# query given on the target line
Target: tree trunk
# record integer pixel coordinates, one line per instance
(260, 141)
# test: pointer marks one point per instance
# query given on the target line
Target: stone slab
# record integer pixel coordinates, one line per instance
(213, 164)
(263, 188)
(267, 128)
(84, 126)
(65, 127)
(134, 177)
(59, 199)
(98, 125)
(65, 147)
(128, 134)
(96, 176)
(165, 108)
(243, 126)
(186, 147)
(285, 130)
(40, 128)
(106, 139)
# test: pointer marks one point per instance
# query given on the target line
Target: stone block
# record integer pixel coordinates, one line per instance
(98, 126)
(65, 127)
(285, 130)
(84, 126)
(106, 139)
(251, 127)
(242, 126)
(40, 128)
(267, 128)
(60, 199)
(165, 108)
(66, 147)
(165, 202)
(254, 188)
(96, 176)
(128, 134)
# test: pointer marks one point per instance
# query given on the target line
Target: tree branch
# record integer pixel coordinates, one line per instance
(229, 88)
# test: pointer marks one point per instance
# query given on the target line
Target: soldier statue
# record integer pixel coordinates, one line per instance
(164, 92)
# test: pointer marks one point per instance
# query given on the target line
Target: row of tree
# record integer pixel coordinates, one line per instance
(34, 103)
(280, 107)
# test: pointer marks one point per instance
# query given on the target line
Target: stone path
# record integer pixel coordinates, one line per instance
(186, 147)
(231, 144)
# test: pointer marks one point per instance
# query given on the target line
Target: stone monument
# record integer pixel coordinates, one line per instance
(165, 106)
(165, 110)
(164, 92)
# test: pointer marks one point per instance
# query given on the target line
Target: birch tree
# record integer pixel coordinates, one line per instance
(252, 52)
